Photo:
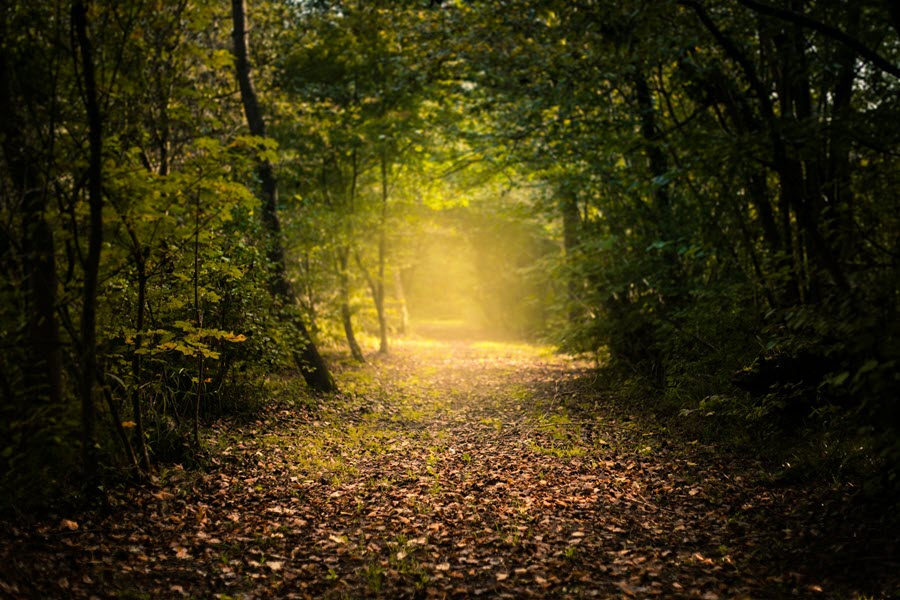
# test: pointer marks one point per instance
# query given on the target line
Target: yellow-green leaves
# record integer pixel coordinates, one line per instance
(185, 339)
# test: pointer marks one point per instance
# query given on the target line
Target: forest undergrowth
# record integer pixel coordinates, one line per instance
(458, 468)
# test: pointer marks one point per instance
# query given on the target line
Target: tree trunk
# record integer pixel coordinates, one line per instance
(657, 161)
(799, 178)
(658, 166)
(88, 342)
(401, 300)
(716, 87)
(308, 359)
(382, 258)
(137, 364)
(198, 313)
(837, 183)
(346, 314)
(120, 431)
(568, 205)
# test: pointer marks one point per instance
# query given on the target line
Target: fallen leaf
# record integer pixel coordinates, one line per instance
(67, 524)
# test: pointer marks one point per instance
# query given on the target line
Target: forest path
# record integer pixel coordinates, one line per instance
(450, 468)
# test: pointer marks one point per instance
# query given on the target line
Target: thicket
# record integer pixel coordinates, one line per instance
(726, 177)
(135, 273)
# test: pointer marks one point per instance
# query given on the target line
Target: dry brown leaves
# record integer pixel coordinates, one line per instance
(445, 470)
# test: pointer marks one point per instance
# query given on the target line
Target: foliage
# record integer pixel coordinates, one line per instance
(719, 190)
(182, 308)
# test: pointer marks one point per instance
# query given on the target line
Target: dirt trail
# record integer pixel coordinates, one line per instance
(449, 469)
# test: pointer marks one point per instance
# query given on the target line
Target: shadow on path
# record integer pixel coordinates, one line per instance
(457, 466)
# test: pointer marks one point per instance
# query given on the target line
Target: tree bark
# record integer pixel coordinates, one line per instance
(88, 342)
(568, 204)
(346, 313)
(382, 258)
(658, 166)
(658, 163)
(401, 300)
(837, 184)
(312, 365)
(137, 364)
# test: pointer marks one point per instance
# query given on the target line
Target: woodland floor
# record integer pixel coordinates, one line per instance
(458, 468)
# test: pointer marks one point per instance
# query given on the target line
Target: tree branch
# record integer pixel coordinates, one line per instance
(827, 30)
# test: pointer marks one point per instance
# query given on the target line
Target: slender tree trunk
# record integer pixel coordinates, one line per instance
(139, 254)
(343, 257)
(120, 430)
(198, 312)
(793, 193)
(308, 359)
(798, 177)
(382, 258)
(743, 119)
(44, 358)
(88, 342)
(401, 300)
(658, 163)
(346, 313)
(137, 365)
(568, 205)
(42, 363)
(308, 295)
(838, 189)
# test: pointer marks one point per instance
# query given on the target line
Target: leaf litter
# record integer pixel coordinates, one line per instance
(447, 470)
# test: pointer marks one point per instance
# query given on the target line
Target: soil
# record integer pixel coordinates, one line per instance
(458, 467)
